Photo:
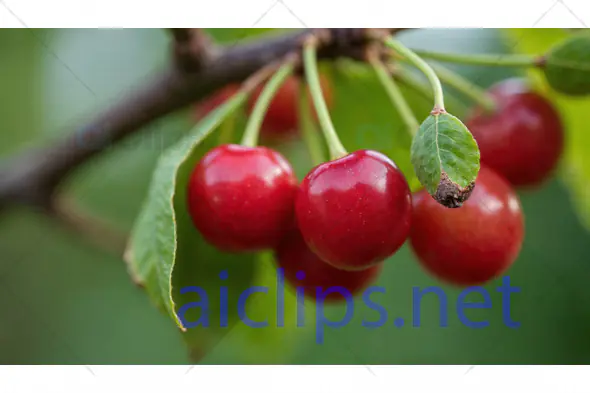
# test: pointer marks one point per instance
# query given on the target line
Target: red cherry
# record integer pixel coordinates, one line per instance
(282, 117)
(355, 211)
(294, 257)
(474, 243)
(523, 141)
(241, 198)
(213, 101)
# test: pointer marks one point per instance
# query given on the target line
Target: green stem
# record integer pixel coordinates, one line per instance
(499, 60)
(411, 81)
(413, 58)
(336, 148)
(308, 130)
(396, 96)
(250, 137)
(466, 87)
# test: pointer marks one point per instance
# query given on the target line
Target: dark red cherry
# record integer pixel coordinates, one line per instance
(214, 100)
(523, 140)
(282, 117)
(474, 243)
(241, 198)
(305, 269)
(355, 211)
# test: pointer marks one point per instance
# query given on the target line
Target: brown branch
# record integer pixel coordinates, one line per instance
(192, 48)
(31, 178)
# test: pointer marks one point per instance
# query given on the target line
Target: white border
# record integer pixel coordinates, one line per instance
(294, 379)
(294, 13)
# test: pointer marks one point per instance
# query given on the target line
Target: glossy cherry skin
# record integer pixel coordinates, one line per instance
(355, 211)
(523, 141)
(213, 101)
(295, 258)
(282, 117)
(474, 243)
(241, 198)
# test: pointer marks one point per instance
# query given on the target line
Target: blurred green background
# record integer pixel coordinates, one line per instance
(63, 301)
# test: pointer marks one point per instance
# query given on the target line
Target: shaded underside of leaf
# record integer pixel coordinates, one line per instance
(567, 65)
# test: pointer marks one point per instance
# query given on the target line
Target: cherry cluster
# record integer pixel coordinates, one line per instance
(350, 214)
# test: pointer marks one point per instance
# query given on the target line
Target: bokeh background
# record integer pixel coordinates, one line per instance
(64, 301)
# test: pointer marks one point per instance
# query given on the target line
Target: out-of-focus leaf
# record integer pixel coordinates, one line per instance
(235, 36)
(567, 65)
(575, 165)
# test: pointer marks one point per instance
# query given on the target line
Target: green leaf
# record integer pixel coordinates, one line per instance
(567, 65)
(165, 253)
(365, 118)
(446, 158)
(241, 35)
(575, 164)
(273, 343)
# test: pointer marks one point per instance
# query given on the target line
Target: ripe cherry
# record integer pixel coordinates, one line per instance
(282, 118)
(474, 243)
(355, 211)
(241, 198)
(295, 258)
(219, 97)
(523, 140)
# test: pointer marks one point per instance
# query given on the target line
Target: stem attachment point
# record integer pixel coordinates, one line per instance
(417, 61)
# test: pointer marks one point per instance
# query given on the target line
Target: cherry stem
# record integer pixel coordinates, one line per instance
(307, 125)
(410, 56)
(471, 90)
(250, 137)
(396, 96)
(500, 60)
(411, 81)
(214, 118)
(336, 148)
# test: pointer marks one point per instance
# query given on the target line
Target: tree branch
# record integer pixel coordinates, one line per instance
(192, 48)
(31, 178)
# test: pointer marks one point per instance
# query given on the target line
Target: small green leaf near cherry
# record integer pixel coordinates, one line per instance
(446, 158)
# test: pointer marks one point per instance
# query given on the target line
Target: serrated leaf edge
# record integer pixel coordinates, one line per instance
(194, 137)
(442, 172)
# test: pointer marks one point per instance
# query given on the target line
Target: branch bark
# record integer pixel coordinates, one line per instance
(32, 178)
(192, 48)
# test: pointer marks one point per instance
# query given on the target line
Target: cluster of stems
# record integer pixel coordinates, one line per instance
(436, 75)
